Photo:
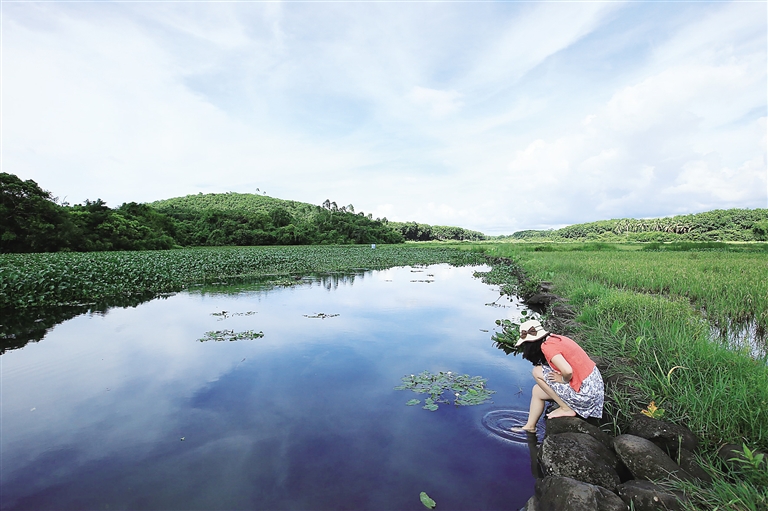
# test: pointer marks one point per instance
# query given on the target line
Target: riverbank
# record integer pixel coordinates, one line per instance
(659, 347)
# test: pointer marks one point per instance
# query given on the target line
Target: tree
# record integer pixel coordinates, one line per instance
(30, 219)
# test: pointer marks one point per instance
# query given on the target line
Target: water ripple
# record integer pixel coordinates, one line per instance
(501, 422)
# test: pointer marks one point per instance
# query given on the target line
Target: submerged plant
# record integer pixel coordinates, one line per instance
(465, 390)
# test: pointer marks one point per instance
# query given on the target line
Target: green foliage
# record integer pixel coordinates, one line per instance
(506, 339)
(55, 279)
(30, 219)
(760, 230)
(716, 225)
(245, 220)
(463, 389)
(428, 502)
(412, 231)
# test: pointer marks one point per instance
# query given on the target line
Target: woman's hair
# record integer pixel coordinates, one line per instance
(532, 352)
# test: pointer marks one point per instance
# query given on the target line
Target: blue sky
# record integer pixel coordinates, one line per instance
(495, 116)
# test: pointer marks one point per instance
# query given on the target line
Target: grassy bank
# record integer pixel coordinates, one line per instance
(654, 313)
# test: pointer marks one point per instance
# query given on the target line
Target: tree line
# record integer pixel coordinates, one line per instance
(715, 225)
(32, 220)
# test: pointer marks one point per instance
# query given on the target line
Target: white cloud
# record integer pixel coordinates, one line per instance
(496, 117)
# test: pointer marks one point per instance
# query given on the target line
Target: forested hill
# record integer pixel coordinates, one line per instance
(716, 225)
(250, 219)
(32, 220)
(231, 201)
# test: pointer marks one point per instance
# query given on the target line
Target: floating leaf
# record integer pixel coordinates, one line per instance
(413, 402)
(428, 502)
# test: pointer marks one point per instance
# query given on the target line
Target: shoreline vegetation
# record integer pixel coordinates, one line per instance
(666, 323)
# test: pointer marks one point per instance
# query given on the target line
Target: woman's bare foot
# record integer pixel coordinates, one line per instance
(523, 429)
(554, 414)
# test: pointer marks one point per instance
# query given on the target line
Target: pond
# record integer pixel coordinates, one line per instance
(129, 409)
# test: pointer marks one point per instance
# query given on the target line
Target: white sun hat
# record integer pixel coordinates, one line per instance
(531, 330)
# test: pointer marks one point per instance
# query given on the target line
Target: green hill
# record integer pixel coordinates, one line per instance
(231, 201)
(716, 225)
(192, 206)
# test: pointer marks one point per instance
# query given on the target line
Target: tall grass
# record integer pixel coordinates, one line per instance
(730, 287)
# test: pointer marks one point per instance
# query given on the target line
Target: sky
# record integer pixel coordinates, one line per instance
(493, 116)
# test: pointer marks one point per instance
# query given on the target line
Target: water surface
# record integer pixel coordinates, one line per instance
(129, 410)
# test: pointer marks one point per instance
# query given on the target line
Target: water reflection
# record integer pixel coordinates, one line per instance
(304, 418)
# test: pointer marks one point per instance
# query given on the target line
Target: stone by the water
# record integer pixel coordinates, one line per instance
(645, 460)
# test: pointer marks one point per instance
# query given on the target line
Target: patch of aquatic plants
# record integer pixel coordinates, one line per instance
(463, 389)
(231, 335)
(66, 278)
(320, 315)
(226, 314)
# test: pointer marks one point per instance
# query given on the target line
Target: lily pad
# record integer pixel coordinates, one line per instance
(463, 389)
(413, 402)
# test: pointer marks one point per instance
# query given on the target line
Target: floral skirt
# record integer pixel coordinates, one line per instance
(588, 402)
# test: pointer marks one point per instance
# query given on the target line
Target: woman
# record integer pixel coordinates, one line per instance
(563, 373)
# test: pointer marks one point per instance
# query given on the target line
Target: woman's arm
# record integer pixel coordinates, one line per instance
(559, 363)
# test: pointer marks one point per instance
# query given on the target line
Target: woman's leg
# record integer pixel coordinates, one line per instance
(541, 382)
(538, 401)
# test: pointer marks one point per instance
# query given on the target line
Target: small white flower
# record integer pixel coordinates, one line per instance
(457, 394)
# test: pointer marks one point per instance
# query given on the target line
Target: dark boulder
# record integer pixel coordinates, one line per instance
(666, 435)
(562, 310)
(580, 456)
(687, 462)
(732, 456)
(542, 299)
(567, 494)
(646, 460)
(578, 425)
(647, 496)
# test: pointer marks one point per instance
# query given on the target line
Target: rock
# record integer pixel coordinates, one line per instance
(530, 505)
(578, 425)
(664, 434)
(733, 457)
(581, 457)
(541, 299)
(567, 494)
(687, 462)
(647, 496)
(563, 311)
(646, 460)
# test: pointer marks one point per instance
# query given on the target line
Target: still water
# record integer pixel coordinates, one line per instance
(129, 410)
